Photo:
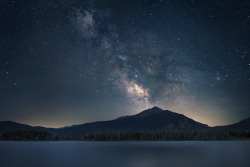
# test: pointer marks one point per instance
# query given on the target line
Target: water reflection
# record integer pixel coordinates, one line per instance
(124, 154)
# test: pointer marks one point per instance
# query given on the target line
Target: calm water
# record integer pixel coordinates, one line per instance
(125, 154)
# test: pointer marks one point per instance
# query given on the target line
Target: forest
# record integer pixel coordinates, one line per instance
(189, 135)
(114, 135)
(28, 135)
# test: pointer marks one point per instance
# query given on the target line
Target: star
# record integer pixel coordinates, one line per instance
(117, 59)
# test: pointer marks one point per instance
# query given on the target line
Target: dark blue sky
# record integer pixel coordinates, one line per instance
(69, 62)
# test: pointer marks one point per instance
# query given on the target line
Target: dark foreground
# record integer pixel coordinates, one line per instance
(125, 154)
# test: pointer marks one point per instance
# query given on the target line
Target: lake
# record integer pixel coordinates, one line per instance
(125, 154)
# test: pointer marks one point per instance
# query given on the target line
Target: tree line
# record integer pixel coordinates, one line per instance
(116, 135)
(189, 135)
(28, 135)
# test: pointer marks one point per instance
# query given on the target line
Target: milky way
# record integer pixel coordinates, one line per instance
(70, 62)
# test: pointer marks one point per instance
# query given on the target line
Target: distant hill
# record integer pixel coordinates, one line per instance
(243, 125)
(6, 126)
(150, 120)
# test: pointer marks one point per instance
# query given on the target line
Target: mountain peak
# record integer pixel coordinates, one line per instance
(155, 108)
(150, 111)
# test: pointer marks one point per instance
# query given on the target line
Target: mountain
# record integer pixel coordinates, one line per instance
(6, 126)
(243, 125)
(154, 119)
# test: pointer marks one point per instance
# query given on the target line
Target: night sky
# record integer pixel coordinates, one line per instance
(70, 62)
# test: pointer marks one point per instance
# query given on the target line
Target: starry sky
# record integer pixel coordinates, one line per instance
(71, 62)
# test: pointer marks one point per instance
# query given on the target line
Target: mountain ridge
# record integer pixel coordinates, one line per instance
(153, 119)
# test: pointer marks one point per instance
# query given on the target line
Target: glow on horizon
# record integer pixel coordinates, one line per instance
(204, 117)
